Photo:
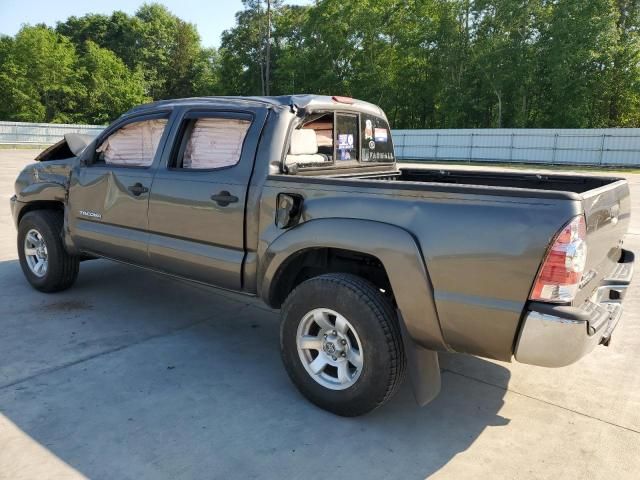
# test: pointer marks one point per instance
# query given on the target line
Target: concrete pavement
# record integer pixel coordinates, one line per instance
(134, 375)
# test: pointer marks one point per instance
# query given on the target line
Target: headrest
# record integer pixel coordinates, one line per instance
(303, 142)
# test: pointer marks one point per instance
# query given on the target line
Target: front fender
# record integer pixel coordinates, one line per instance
(43, 191)
(36, 193)
(394, 247)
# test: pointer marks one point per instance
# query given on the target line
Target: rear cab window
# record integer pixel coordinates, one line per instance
(340, 139)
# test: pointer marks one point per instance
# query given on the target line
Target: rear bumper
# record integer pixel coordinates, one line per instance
(556, 336)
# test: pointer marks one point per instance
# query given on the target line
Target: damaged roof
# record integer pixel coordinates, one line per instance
(299, 102)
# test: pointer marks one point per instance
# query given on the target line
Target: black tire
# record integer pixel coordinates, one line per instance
(63, 268)
(374, 319)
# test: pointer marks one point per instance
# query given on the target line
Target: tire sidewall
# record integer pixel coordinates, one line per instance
(35, 221)
(371, 386)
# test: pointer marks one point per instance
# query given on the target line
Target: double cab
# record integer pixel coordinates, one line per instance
(376, 267)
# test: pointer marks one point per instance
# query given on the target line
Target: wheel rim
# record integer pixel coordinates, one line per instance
(330, 349)
(35, 253)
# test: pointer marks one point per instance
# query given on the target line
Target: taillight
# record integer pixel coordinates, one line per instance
(561, 271)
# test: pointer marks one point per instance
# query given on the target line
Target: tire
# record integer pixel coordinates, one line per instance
(372, 339)
(61, 269)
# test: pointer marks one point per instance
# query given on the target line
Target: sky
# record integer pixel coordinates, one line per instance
(211, 17)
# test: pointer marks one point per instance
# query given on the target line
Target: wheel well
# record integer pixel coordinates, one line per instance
(318, 261)
(40, 205)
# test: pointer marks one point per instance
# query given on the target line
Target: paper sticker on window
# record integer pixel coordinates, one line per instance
(381, 135)
(345, 144)
(368, 130)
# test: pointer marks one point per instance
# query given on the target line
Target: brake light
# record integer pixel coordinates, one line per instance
(559, 277)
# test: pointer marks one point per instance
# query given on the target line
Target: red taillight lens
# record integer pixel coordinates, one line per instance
(562, 268)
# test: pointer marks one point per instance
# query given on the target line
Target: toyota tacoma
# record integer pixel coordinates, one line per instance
(376, 267)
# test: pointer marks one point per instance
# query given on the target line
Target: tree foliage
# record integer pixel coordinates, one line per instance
(428, 63)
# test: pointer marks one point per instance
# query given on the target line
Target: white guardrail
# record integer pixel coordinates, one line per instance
(606, 147)
(20, 133)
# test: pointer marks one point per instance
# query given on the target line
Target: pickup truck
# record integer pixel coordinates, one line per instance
(375, 267)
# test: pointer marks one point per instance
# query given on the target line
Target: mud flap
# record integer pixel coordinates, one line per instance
(424, 368)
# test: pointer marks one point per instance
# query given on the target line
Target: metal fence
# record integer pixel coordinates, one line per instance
(20, 133)
(606, 147)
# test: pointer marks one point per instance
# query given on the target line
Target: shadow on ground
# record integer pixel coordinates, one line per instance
(134, 375)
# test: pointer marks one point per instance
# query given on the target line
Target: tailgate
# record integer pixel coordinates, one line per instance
(607, 210)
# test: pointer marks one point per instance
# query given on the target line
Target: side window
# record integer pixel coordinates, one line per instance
(133, 145)
(210, 143)
(347, 137)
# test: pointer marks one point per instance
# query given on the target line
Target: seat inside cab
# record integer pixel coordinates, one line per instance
(303, 149)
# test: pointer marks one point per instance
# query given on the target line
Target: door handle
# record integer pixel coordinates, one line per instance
(138, 189)
(224, 198)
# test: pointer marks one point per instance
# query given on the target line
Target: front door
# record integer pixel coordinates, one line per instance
(109, 192)
(197, 203)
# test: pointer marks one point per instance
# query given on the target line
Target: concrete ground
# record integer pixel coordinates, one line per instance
(133, 375)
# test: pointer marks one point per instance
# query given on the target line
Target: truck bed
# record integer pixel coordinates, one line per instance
(565, 183)
(483, 235)
(520, 184)
(603, 200)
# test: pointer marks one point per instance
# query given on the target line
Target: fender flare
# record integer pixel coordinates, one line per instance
(38, 192)
(402, 259)
(42, 192)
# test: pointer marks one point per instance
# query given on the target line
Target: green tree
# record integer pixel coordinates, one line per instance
(117, 32)
(111, 88)
(155, 42)
(624, 102)
(428, 63)
(39, 80)
(577, 48)
(243, 51)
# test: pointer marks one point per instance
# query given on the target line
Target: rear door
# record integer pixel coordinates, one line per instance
(109, 192)
(198, 199)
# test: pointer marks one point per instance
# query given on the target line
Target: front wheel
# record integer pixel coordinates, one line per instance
(341, 344)
(43, 258)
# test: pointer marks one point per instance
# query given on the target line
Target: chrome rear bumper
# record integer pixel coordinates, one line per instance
(556, 336)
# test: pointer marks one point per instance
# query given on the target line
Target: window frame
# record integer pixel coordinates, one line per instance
(357, 143)
(162, 115)
(187, 122)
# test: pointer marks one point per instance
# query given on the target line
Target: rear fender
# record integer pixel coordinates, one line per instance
(401, 257)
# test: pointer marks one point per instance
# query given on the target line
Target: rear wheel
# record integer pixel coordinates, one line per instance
(341, 344)
(43, 258)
